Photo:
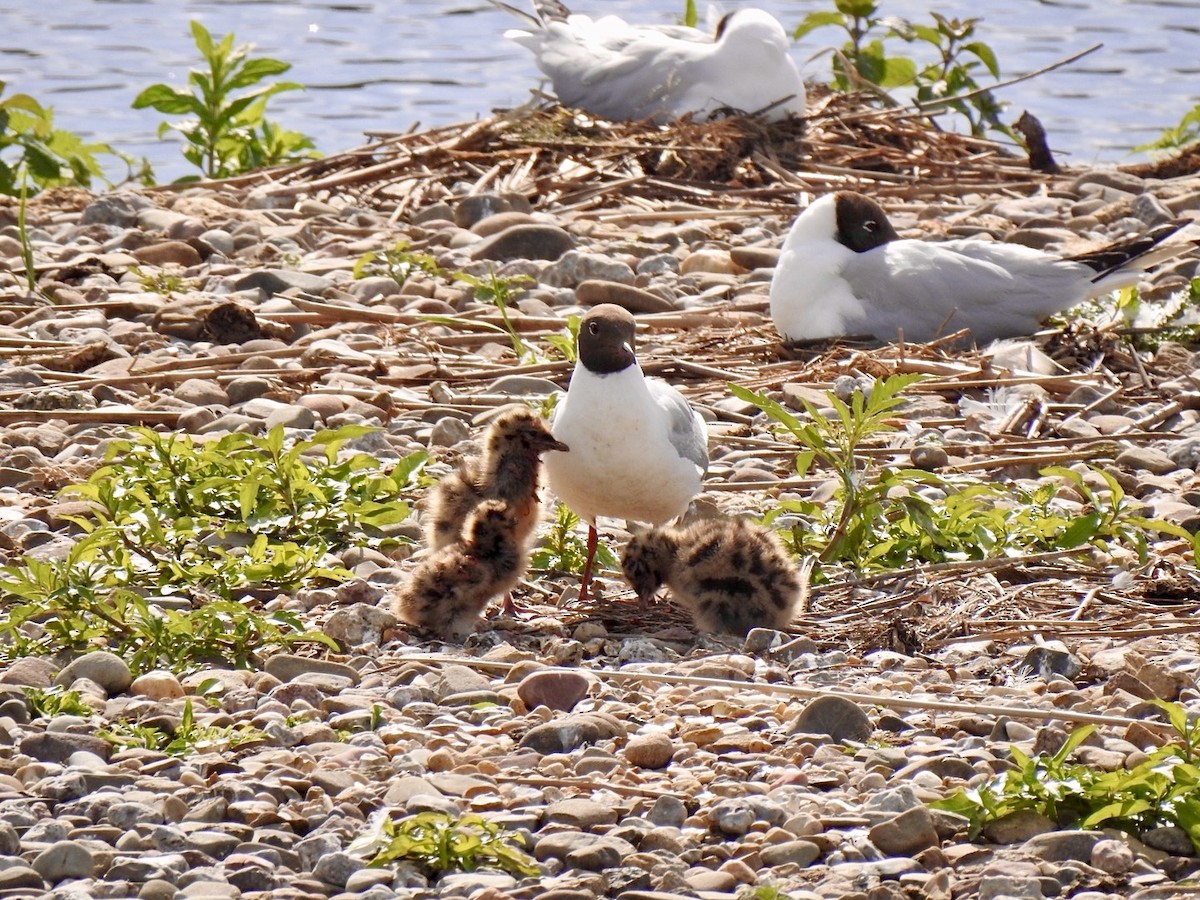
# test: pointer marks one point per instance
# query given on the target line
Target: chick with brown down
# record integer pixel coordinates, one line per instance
(452, 586)
(730, 574)
(508, 470)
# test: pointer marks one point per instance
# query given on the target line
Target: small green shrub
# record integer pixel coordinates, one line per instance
(208, 523)
(228, 132)
(45, 703)
(894, 517)
(31, 145)
(189, 738)
(398, 263)
(441, 843)
(563, 549)
(501, 291)
(958, 56)
(1162, 790)
(1179, 137)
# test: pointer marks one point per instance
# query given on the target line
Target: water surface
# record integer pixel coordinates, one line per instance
(379, 66)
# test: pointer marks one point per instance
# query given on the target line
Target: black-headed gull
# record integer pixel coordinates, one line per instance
(729, 574)
(845, 271)
(622, 72)
(638, 449)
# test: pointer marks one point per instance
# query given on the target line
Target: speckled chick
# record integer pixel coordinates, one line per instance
(730, 574)
(452, 586)
(508, 470)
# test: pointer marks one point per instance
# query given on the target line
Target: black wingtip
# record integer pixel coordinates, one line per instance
(1108, 259)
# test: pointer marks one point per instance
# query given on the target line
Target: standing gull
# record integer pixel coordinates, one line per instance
(845, 271)
(622, 72)
(638, 450)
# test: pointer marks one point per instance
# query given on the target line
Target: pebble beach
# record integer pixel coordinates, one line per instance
(634, 757)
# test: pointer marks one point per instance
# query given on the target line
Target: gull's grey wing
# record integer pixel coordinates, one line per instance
(930, 289)
(685, 427)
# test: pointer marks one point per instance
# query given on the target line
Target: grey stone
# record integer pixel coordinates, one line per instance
(1018, 827)
(524, 242)
(1149, 458)
(1010, 887)
(20, 877)
(276, 281)
(840, 719)
(594, 292)
(576, 267)
(1059, 846)
(1170, 839)
(287, 667)
(1113, 857)
(360, 623)
(448, 431)
(580, 812)
(668, 810)
(559, 690)
(30, 671)
(906, 834)
(106, 669)
(58, 746)
(1046, 662)
(799, 853)
(571, 732)
(566, 844)
(477, 207)
(64, 859)
(732, 816)
(119, 209)
(336, 868)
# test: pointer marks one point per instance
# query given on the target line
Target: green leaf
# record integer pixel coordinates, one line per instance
(815, 20)
(690, 16)
(986, 55)
(897, 72)
(255, 70)
(166, 99)
(202, 39)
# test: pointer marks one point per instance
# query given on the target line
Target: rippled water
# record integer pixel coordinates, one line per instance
(386, 66)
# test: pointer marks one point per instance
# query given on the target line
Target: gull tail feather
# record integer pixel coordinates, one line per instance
(1144, 250)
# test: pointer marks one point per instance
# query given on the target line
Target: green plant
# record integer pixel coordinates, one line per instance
(1178, 137)
(206, 522)
(56, 701)
(890, 517)
(949, 80)
(228, 132)
(500, 291)
(31, 145)
(397, 263)
(562, 549)
(442, 843)
(163, 282)
(566, 342)
(1162, 790)
(189, 738)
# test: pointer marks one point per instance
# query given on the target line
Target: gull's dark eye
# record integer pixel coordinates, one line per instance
(870, 226)
(593, 327)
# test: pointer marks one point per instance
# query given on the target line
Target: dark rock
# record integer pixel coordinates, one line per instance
(524, 242)
(556, 690)
(276, 281)
(839, 718)
(906, 834)
(572, 732)
(593, 292)
(57, 746)
(1045, 663)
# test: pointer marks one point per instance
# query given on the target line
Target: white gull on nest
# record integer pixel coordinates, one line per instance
(845, 271)
(624, 72)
